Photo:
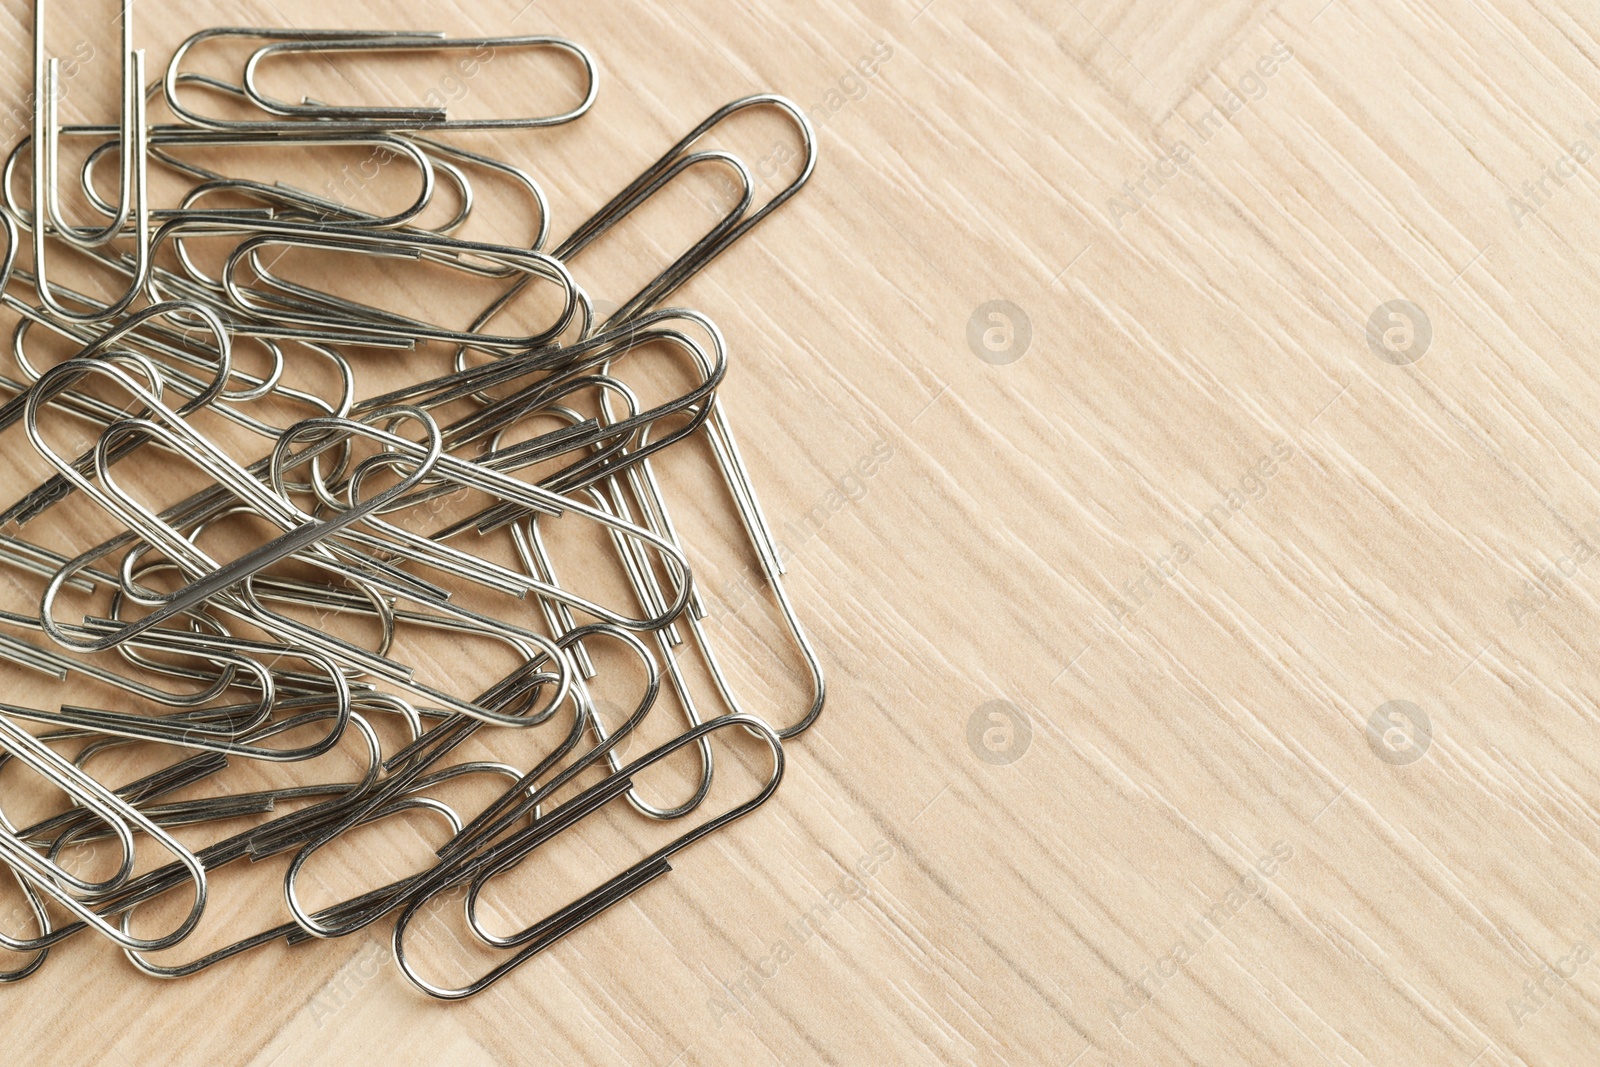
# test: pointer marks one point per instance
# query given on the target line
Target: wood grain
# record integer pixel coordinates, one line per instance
(1195, 534)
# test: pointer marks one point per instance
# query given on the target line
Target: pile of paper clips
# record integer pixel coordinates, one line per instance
(426, 509)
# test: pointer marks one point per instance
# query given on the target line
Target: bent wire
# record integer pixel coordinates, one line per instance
(134, 185)
(375, 497)
(433, 118)
(538, 936)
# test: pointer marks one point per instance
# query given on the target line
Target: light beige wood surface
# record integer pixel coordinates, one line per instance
(1136, 568)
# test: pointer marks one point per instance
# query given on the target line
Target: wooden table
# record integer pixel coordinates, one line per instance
(1178, 418)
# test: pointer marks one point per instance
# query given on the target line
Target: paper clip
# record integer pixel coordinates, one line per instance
(541, 935)
(134, 191)
(430, 118)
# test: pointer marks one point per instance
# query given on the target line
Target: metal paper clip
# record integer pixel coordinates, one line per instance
(431, 118)
(134, 191)
(540, 935)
